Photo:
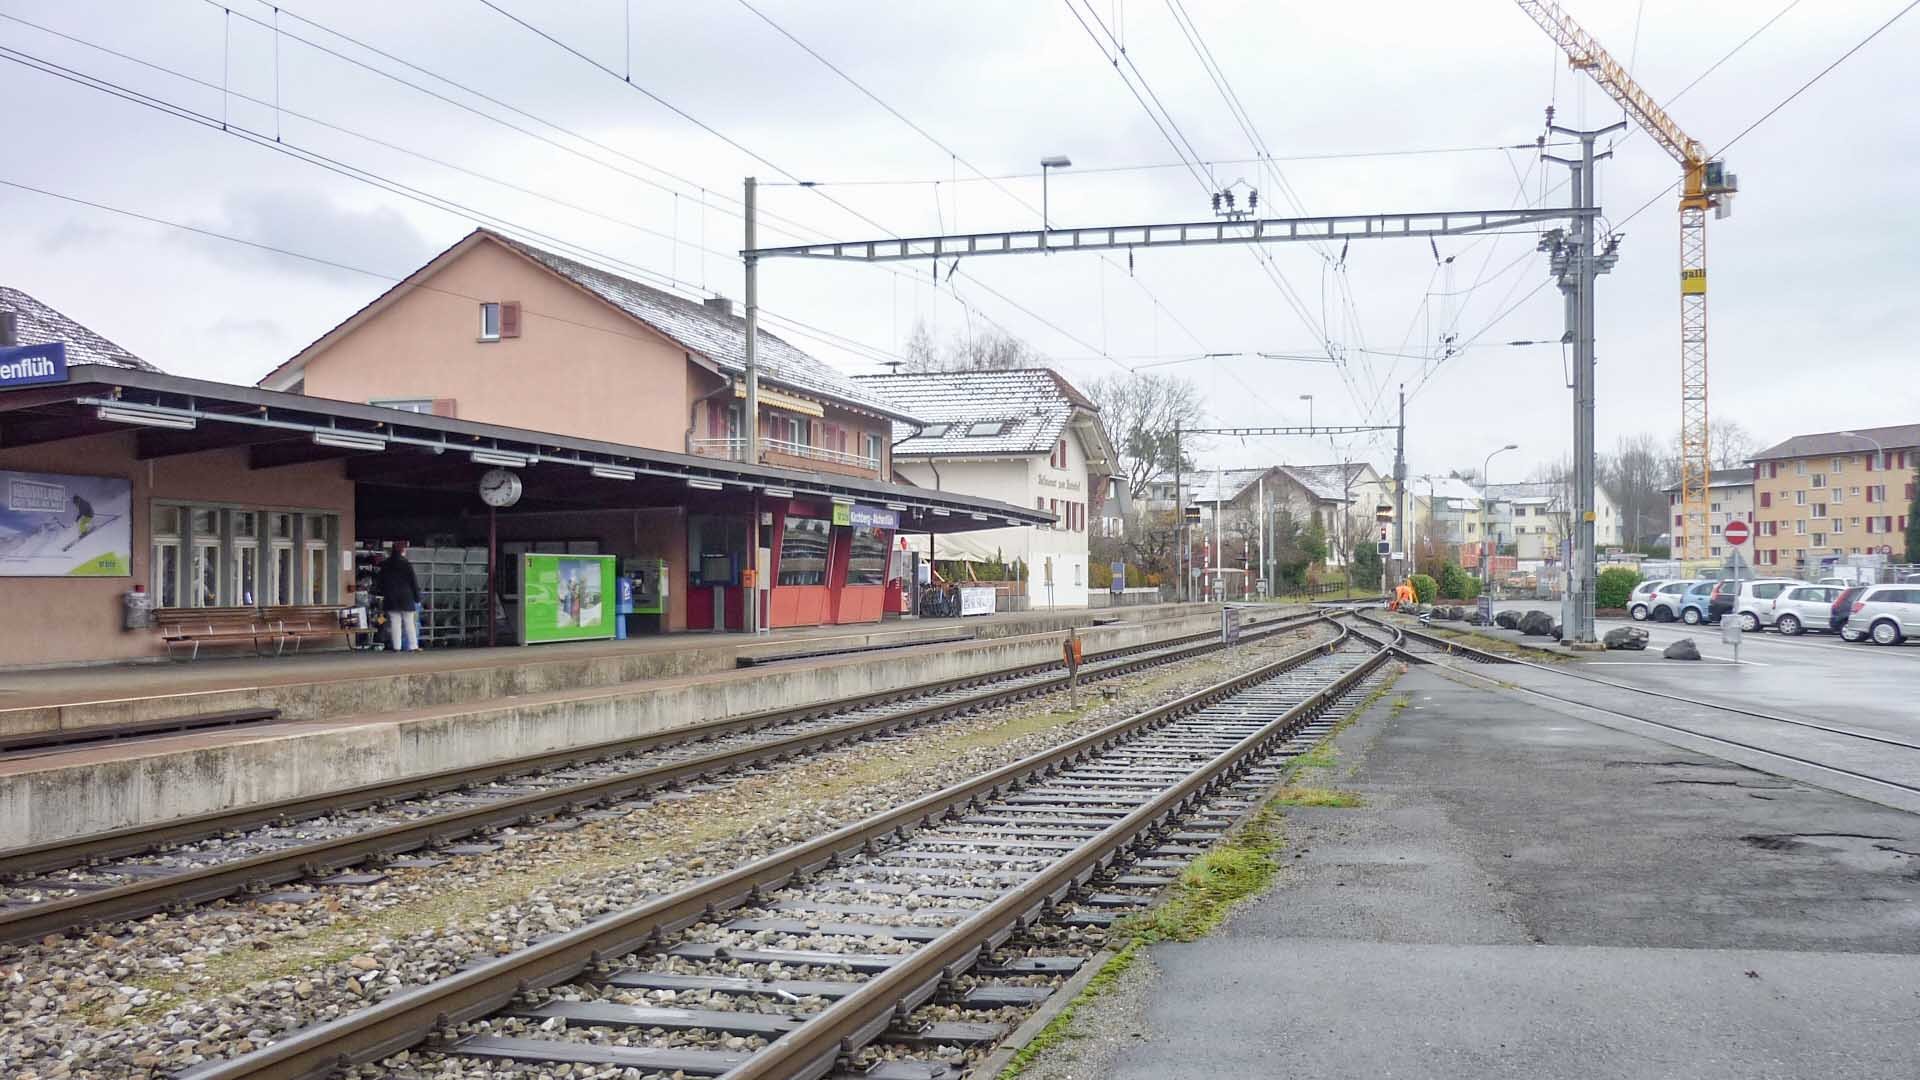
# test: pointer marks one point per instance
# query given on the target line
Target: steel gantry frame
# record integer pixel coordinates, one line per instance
(1048, 240)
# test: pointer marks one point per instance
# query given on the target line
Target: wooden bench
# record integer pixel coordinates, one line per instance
(208, 626)
(296, 624)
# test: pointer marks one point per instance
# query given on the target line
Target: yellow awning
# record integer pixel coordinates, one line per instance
(778, 400)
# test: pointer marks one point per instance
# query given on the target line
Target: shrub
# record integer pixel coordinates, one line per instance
(1614, 586)
(1454, 583)
(1424, 588)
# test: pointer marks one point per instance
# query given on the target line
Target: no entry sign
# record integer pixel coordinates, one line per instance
(1735, 533)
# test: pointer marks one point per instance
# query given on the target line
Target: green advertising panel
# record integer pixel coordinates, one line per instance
(566, 597)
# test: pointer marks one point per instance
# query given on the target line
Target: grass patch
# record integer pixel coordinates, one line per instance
(1314, 796)
(1241, 866)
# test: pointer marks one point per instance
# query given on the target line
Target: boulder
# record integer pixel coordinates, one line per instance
(1424, 611)
(1684, 649)
(1625, 638)
(1474, 619)
(1536, 623)
(1559, 633)
(1508, 619)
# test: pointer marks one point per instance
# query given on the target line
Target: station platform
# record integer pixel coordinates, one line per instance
(349, 719)
(1524, 894)
(319, 684)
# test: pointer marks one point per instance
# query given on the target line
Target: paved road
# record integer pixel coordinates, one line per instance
(1525, 895)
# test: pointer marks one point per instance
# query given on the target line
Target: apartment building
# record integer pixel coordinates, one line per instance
(1820, 497)
(1730, 494)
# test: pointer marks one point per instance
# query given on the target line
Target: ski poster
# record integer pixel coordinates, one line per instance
(54, 525)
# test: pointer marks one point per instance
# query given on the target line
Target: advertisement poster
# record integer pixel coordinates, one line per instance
(53, 525)
(566, 597)
(977, 601)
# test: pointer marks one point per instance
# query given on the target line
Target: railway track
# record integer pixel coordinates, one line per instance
(67, 886)
(1882, 743)
(895, 948)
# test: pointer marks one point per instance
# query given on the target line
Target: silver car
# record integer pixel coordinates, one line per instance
(1803, 606)
(1640, 601)
(1885, 613)
(1664, 605)
(1753, 603)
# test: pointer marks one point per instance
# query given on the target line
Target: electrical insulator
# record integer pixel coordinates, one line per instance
(1253, 199)
(1229, 200)
(1216, 202)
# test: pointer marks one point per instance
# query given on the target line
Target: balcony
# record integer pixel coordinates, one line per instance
(791, 455)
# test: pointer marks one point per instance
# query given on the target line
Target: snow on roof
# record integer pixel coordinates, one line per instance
(37, 324)
(1017, 412)
(1451, 488)
(718, 335)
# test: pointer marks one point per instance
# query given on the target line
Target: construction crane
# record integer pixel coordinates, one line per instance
(1705, 185)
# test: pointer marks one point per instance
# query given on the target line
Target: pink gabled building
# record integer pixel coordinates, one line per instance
(502, 332)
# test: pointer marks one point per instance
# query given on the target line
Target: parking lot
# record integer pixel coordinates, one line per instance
(1816, 675)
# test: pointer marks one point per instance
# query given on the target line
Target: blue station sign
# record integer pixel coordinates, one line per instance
(31, 365)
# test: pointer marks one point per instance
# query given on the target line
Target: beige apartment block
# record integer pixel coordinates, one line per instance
(1833, 494)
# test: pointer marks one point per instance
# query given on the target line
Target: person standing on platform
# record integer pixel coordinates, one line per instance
(400, 595)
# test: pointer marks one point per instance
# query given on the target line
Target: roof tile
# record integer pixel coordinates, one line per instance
(38, 324)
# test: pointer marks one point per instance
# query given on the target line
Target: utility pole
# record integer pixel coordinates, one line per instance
(1262, 496)
(1400, 486)
(1577, 266)
(751, 601)
(1179, 520)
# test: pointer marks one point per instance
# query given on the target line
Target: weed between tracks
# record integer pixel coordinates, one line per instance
(1241, 866)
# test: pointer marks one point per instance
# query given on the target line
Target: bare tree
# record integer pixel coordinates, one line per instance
(1635, 476)
(1730, 444)
(1140, 413)
(992, 350)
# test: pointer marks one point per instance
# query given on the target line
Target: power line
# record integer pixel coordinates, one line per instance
(951, 153)
(1784, 102)
(800, 328)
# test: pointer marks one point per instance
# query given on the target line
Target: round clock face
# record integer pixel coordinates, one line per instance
(499, 488)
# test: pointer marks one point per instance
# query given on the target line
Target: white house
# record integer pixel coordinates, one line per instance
(1023, 437)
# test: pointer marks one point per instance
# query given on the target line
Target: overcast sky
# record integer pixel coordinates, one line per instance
(1812, 280)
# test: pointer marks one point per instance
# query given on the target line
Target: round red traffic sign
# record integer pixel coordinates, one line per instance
(1735, 533)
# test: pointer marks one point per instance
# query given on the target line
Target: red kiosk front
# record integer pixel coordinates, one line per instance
(829, 562)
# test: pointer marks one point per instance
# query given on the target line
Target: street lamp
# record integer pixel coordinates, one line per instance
(1486, 565)
(1047, 165)
(1877, 448)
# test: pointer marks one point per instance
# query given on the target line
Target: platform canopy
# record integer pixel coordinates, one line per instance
(434, 463)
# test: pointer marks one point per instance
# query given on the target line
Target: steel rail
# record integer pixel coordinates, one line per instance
(1696, 703)
(201, 885)
(409, 1017)
(813, 1049)
(27, 861)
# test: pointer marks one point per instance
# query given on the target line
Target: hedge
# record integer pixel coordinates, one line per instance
(1424, 588)
(1614, 587)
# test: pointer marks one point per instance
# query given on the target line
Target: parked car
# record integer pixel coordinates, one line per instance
(1696, 602)
(1843, 610)
(1640, 601)
(1840, 581)
(1750, 600)
(1800, 607)
(1665, 604)
(1887, 613)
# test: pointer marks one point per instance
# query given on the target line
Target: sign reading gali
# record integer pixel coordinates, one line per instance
(32, 365)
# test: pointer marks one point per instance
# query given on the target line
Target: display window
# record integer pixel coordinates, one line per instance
(803, 551)
(867, 556)
(217, 556)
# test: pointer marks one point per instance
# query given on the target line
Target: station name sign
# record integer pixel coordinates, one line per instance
(872, 517)
(32, 365)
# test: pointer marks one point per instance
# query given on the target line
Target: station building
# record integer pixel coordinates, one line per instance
(120, 478)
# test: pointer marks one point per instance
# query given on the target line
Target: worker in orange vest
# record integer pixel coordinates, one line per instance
(1404, 596)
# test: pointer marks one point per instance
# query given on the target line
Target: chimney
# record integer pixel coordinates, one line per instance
(8, 335)
(720, 304)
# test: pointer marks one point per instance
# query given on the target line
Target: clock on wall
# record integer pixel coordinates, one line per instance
(499, 488)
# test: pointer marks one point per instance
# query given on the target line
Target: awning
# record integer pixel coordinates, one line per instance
(781, 401)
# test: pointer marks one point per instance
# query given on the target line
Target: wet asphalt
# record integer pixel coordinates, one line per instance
(1528, 894)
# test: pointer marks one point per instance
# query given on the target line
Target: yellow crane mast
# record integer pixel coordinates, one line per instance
(1706, 185)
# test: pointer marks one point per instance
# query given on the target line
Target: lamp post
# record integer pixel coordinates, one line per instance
(1879, 450)
(1486, 565)
(1047, 165)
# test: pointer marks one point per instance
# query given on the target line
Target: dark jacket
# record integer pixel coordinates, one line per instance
(399, 589)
